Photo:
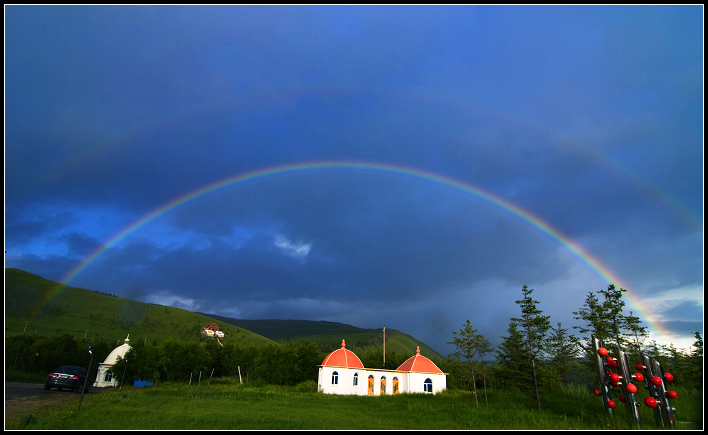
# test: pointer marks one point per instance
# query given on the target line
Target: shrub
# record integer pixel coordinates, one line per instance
(308, 386)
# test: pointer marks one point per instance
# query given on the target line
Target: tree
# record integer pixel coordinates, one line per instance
(513, 362)
(484, 347)
(562, 349)
(638, 333)
(606, 320)
(469, 344)
(534, 326)
(695, 362)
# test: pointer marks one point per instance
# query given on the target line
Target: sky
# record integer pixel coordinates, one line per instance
(401, 166)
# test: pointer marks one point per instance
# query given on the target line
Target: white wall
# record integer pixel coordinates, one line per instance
(407, 382)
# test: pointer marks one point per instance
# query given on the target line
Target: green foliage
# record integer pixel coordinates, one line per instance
(308, 386)
(513, 369)
(562, 350)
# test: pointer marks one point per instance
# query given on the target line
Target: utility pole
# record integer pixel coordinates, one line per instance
(384, 342)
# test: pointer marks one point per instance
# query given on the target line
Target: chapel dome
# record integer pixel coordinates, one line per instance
(119, 351)
(419, 363)
(343, 358)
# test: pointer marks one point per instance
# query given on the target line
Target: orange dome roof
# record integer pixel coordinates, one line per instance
(343, 358)
(419, 363)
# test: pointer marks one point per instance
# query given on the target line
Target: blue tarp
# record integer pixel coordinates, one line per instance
(141, 383)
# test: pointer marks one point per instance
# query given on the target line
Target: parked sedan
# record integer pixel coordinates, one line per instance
(69, 377)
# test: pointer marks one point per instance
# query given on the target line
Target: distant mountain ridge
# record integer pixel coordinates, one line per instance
(31, 307)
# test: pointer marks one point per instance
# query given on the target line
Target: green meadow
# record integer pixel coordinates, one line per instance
(225, 405)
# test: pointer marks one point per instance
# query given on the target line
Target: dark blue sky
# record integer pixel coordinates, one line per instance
(588, 118)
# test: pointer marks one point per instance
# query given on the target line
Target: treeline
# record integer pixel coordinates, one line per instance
(288, 363)
(32, 354)
(537, 357)
(534, 356)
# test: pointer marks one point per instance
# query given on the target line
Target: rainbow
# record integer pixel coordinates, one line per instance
(602, 270)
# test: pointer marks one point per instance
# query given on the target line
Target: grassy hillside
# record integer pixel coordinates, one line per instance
(33, 306)
(329, 335)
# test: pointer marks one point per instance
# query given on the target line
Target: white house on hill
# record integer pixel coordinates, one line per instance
(104, 377)
(342, 372)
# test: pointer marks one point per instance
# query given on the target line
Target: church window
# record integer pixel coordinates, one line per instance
(335, 378)
(428, 386)
(356, 379)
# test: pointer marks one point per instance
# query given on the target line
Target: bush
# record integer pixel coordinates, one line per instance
(308, 386)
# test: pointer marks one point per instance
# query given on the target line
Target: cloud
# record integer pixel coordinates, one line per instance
(589, 118)
(296, 250)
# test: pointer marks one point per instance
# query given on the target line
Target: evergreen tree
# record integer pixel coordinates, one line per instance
(513, 368)
(562, 349)
(606, 320)
(695, 363)
(469, 344)
(637, 333)
(534, 326)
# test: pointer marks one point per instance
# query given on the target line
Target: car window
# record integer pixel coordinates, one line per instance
(70, 370)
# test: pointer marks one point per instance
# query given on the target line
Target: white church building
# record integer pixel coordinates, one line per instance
(342, 372)
(105, 376)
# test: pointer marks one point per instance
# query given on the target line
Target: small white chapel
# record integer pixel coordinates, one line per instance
(105, 376)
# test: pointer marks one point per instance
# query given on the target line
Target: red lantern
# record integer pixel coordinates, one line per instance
(672, 394)
(639, 377)
(650, 402)
(614, 377)
(613, 364)
(631, 388)
(597, 392)
(639, 366)
(611, 403)
(602, 351)
(656, 381)
(622, 399)
(668, 376)
(609, 359)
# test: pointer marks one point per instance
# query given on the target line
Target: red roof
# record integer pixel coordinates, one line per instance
(419, 363)
(343, 358)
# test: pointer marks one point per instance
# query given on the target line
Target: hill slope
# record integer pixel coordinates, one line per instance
(329, 335)
(37, 306)
(34, 305)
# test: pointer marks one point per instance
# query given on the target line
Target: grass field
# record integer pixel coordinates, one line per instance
(233, 406)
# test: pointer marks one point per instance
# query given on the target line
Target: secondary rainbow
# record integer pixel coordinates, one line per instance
(599, 268)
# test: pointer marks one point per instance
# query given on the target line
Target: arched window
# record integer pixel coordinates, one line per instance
(356, 379)
(428, 386)
(335, 378)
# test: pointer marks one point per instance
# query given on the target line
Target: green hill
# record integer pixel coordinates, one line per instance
(36, 306)
(329, 335)
(33, 306)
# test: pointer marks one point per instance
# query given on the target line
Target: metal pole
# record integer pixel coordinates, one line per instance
(123, 378)
(83, 389)
(384, 345)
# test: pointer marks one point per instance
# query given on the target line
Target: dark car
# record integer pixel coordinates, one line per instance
(69, 377)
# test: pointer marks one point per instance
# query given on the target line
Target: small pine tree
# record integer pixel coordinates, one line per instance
(562, 349)
(534, 326)
(513, 368)
(469, 344)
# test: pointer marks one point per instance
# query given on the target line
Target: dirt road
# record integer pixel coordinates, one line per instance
(22, 398)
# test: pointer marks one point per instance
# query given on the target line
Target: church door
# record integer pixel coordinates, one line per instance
(370, 391)
(383, 385)
(395, 385)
